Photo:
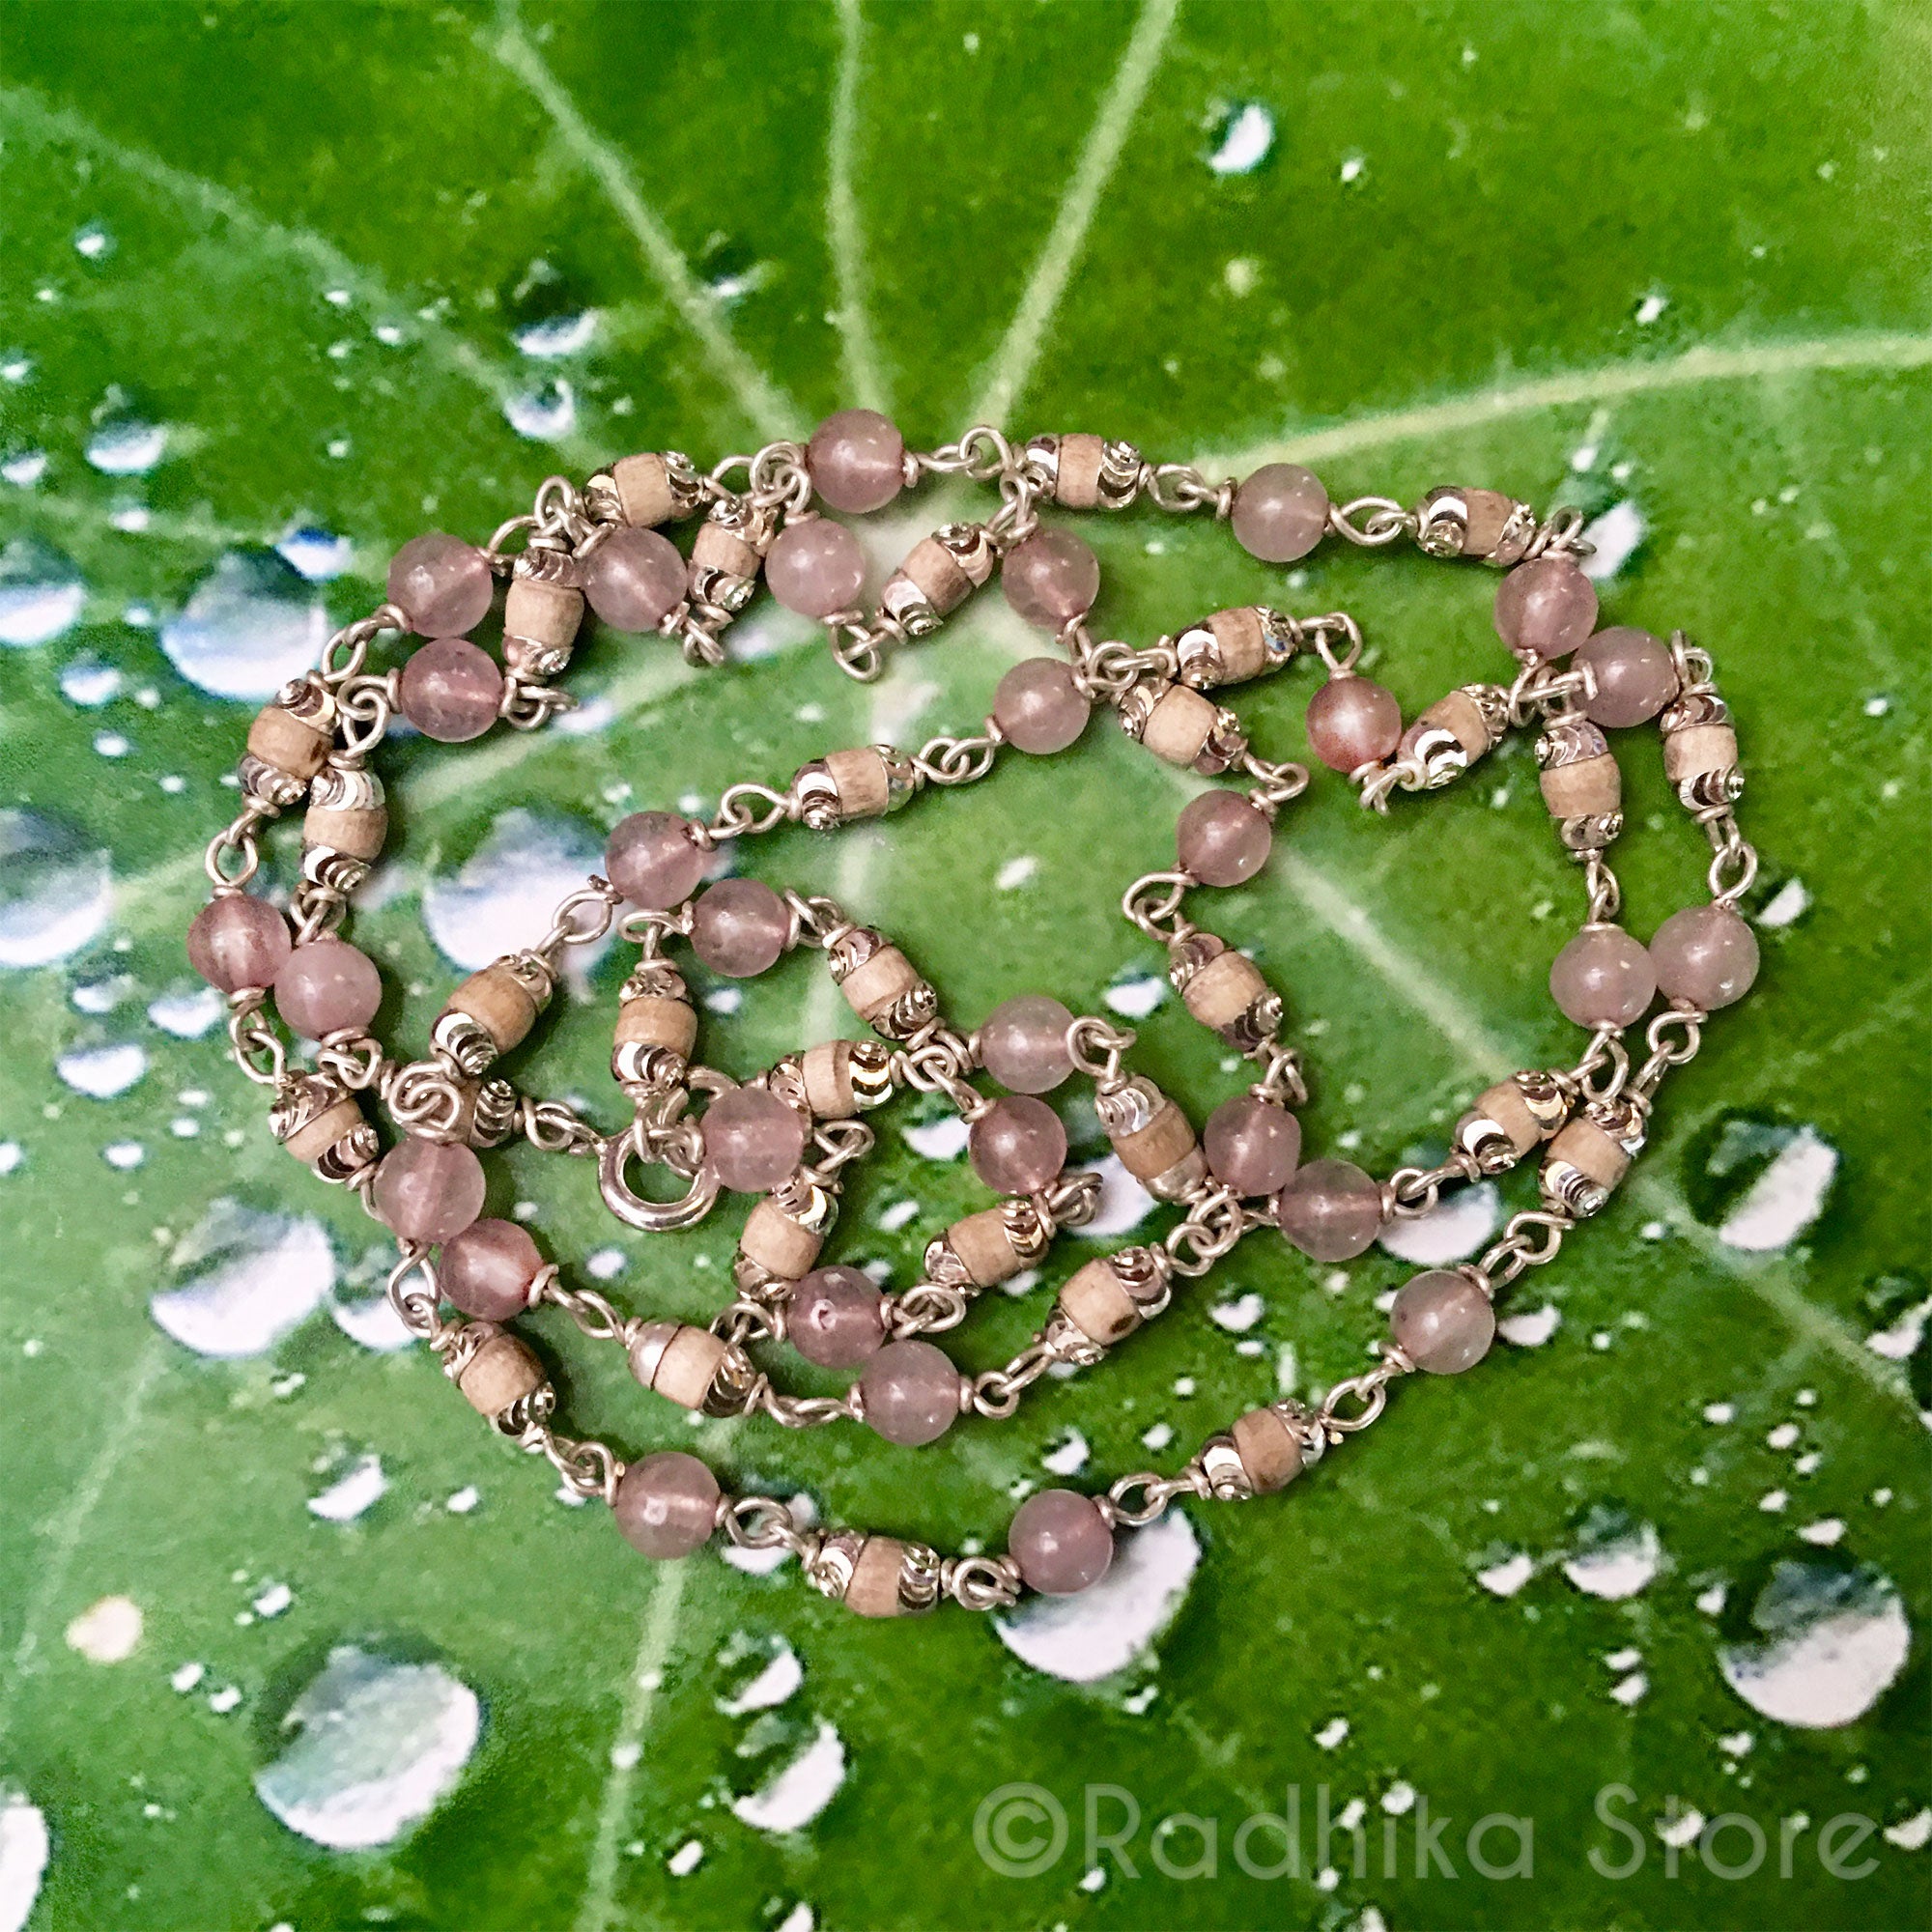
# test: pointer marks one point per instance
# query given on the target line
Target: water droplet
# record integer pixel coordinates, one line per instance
(187, 1014)
(247, 627)
(778, 1678)
(1785, 906)
(352, 1494)
(55, 889)
(1240, 1315)
(544, 414)
(100, 1072)
(107, 1632)
(1531, 1328)
(251, 1278)
(23, 1857)
(1137, 996)
(799, 1791)
(93, 243)
(941, 1139)
(1507, 1575)
(25, 468)
(506, 892)
(319, 556)
(127, 448)
(1069, 1458)
(1616, 535)
(381, 1743)
(1825, 1638)
(1244, 141)
(89, 683)
(1615, 1555)
(1103, 1630)
(1786, 1198)
(1452, 1231)
(41, 594)
(557, 335)
(1125, 1204)
(372, 1324)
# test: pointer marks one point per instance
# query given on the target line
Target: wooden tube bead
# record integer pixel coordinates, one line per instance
(1482, 524)
(657, 1020)
(724, 550)
(938, 575)
(322, 1127)
(285, 743)
(653, 488)
(1181, 727)
(1225, 991)
(1461, 717)
(1106, 1300)
(876, 1575)
(499, 1371)
(1583, 1165)
(866, 782)
(779, 1246)
(880, 984)
(344, 827)
(492, 1012)
(677, 1361)
(1512, 1119)
(1232, 646)
(1579, 776)
(1154, 1138)
(845, 1077)
(990, 1247)
(541, 619)
(1271, 1451)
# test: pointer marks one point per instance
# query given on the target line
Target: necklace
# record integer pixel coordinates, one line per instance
(787, 1136)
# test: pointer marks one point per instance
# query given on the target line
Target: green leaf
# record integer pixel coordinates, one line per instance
(286, 269)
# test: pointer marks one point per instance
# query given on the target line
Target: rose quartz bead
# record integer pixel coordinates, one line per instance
(1251, 1144)
(450, 690)
(1635, 676)
(442, 585)
(634, 578)
(1280, 513)
(429, 1192)
(1603, 978)
(654, 859)
(487, 1269)
(911, 1392)
(237, 941)
(1353, 722)
(1222, 839)
(1060, 1542)
(1050, 579)
(667, 1505)
(1545, 607)
(1705, 956)
(751, 1139)
(835, 1317)
(1017, 1145)
(1040, 707)
(816, 567)
(739, 928)
(1443, 1322)
(1023, 1043)
(1331, 1210)
(326, 986)
(857, 459)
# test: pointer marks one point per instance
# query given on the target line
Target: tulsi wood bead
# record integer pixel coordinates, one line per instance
(356, 834)
(1481, 524)
(500, 1371)
(1181, 727)
(1698, 749)
(1461, 717)
(288, 743)
(784, 1247)
(938, 575)
(1156, 1144)
(1105, 1304)
(655, 1021)
(1224, 990)
(1589, 788)
(310, 1141)
(652, 489)
(724, 551)
(1506, 1106)
(874, 1590)
(1233, 646)
(872, 987)
(1271, 1451)
(678, 1362)
(843, 1077)
(985, 1248)
(866, 782)
(541, 619)
(1076, 477)
(498, 1001)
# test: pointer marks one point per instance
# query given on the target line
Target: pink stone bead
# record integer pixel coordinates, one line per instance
(834, 1319)
(816, 567)
(1222, 839)
(1280, 513)
(326, 986)
(911, 1393)
(751, 1139)
(1603, 978)
(450, 690)
(1040, 707)
(1443, 1322)
(1251, 1144)
(654, 859)
(1060, 1542)
(667, 1505)
(1353, 722)
(1635, 676)
(487, 1270)
(634, 578)
(1017, 1145)
(429, 1192)
(1331, 1210)
(237, 941)
(1546, 607)
(739, 928)
(857, 459)
(1023, 1043)
(1050, 579)
(1705, 956)
(442, 585)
